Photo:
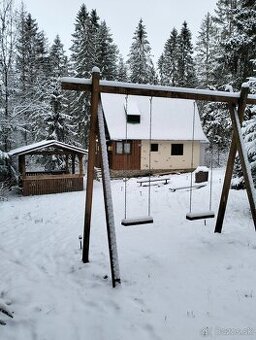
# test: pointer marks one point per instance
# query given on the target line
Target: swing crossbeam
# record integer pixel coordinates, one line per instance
(137, 221)
(200, 215)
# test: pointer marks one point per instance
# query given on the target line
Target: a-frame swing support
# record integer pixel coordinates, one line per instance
(95, 86)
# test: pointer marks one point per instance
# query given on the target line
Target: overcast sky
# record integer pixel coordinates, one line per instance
(159, 17)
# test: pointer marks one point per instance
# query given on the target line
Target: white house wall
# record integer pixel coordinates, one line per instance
(162, 159)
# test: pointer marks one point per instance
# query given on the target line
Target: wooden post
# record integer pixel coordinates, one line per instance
(22, 165)
(73, 157)
(244, 163)
(230, 162)
(109, 211)
(81, 168)
(91, 162)
(67, 156)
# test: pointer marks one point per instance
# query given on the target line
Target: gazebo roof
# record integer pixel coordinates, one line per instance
(27, 149)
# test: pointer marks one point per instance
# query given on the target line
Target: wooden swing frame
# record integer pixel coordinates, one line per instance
(236, 102)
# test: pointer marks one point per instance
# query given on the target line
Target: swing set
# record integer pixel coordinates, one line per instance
(142, 219)
(236, 103)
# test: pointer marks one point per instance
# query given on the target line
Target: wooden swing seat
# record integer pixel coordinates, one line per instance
(200, 215)
(136, 221)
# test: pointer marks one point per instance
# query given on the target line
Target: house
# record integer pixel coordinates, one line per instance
(49, 181)
(164, 139)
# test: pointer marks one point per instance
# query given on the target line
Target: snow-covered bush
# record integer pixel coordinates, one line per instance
(249, 136)
(3, 165)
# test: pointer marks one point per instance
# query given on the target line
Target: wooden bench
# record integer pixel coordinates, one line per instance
(196, 186)
(153, 179)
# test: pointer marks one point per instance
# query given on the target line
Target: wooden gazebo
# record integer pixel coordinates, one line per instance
(53, 181)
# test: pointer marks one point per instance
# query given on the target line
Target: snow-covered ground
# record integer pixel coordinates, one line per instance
(179, 279)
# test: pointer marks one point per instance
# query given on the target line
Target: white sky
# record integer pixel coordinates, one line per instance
(159, 17)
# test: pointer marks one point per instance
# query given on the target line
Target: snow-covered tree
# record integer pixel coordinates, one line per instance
(7, 75)
(249, 138)
(122, 70)
(106, 53)
(185, 64)
(205, 53)
(32, 66)
(141, 67)
(58, 121)
(83, 58)
(225, 59)
(84, 43)
(168, 61)
(243, 41)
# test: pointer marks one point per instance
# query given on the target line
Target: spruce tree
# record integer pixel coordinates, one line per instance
(243, 41)
(32, 66)
(58, 121)
(8, 117)
(83, 58)
(122, 70)
(225, 60)
(106, 53)
(205, 53)
(140, 63)
(185, 63)
(168, 61)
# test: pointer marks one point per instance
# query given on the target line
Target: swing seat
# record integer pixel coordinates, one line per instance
(202, 215)
(136, 221)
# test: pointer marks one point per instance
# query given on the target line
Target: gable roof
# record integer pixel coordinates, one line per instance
(45, 144)
(172, 119)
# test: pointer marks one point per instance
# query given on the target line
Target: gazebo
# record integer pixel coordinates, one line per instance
(50, 181)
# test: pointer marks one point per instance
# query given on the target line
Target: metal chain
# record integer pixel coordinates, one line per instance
(149, 155)
(192, 159)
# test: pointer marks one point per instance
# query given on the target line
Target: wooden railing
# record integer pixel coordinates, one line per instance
(51, 184)
(46, 173)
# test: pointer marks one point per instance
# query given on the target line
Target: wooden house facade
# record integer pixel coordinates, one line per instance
(159, 134)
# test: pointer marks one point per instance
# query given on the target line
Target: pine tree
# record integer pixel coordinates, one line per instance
(225, 65)
(205, 53)
(243, 41)
(83, 58)
(84, 47)
(32, 66)
(168, 61)
(122, 70)
(59, 123)
(140, 63)
(8, 117)
(185, 63)
(106, 53)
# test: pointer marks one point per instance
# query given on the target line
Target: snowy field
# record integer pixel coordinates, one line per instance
(179, 280)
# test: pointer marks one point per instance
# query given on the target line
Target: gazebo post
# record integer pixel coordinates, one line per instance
(73, 157)
(81, 169)
(67, 157)
(22, 165)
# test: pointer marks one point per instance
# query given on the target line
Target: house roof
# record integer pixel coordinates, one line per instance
(172, 119)
(43, 145)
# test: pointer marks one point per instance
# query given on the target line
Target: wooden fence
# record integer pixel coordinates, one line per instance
(51, 184)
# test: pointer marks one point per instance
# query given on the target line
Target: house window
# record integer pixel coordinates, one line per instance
(177, 150)
(154, 147)
(119, 148)
(133, 119)
(123, 148)
(127, 148)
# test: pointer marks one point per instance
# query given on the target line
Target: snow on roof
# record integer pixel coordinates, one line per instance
(44, 144)
(172, 119)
